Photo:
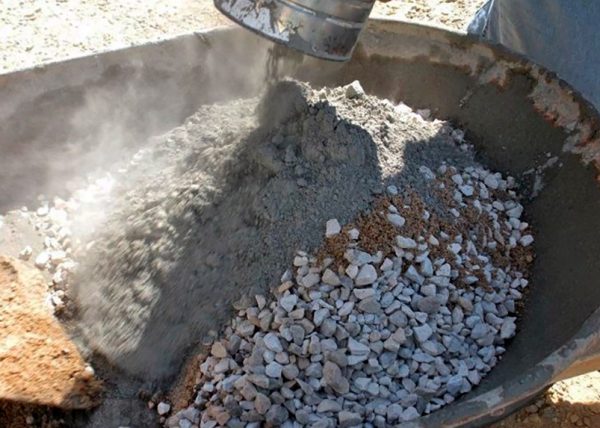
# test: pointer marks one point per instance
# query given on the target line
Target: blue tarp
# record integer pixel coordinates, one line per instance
(561, 35)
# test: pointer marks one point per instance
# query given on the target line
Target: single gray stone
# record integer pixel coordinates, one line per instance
(454, 385)
(373, 389)
(227, 384)
(245, 329)
(377, 347)
(303, 416)
(290, 371)
(262, 404)
(358, 257)
(184, 423)
(399, 336)
(297, 333)
(426, 267)
(379, 422)
(366, 275)
(218, 350)
(348, 419)
(272, 342)
(354, 90)
(259, 380)
(163, 408)
(357, 348)
(409, 399)
(466, 189)
(222, 366)
(432, 347)
(410, 414)
(357, 359)
(320, 315)
(328, 327)
(508, 328)
(333, 377)
(305, 387)
(412, 274)
(370, 306)
(273, 370)
(405, 243)
(428, 290)
(429, 305)
(362, 383)
(297, 314)
(396, 219)
(288, 302)
(314, 370)
(393, 343)
(422, 333)
(338, 357)
(421, 357)
(363, 293)
(452, 344)
(330, 278)
(308, 326)
(387, 299)
(277, 415)
(314, 346)
(479, 331)
(346, 309)
(394, 413)
(329, 406)
(310, 280)
(399, 319)
(322, 423)
(328, 345)
(353, 328)
(386, 359)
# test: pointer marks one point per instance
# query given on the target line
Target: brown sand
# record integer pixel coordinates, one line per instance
(38, 362)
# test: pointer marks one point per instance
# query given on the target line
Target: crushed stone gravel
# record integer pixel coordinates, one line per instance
(415, 322)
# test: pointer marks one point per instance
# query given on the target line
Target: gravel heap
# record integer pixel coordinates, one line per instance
(398, 314)
(215, 210)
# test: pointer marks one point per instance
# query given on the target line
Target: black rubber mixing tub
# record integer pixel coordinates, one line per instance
(69, 117)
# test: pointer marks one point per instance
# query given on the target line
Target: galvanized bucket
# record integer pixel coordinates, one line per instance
(325, 29)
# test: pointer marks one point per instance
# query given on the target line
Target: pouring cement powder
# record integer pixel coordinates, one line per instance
(216, 210)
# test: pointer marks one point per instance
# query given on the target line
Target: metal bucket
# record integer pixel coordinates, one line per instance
(326, 29)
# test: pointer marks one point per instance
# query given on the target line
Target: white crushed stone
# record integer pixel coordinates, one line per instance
(355, 90)
(163, 408)
(396, 220)
(332, 227)
(367, 275)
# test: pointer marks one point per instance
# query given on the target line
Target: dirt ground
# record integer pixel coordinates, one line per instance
(36, 32)
(455, 14)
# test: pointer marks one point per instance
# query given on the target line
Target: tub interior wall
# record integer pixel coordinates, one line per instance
(69, 117)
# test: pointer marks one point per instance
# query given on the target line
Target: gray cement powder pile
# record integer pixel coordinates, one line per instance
(217, 208)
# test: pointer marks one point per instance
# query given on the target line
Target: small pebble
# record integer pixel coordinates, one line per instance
(163, 408)
(332, 228)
